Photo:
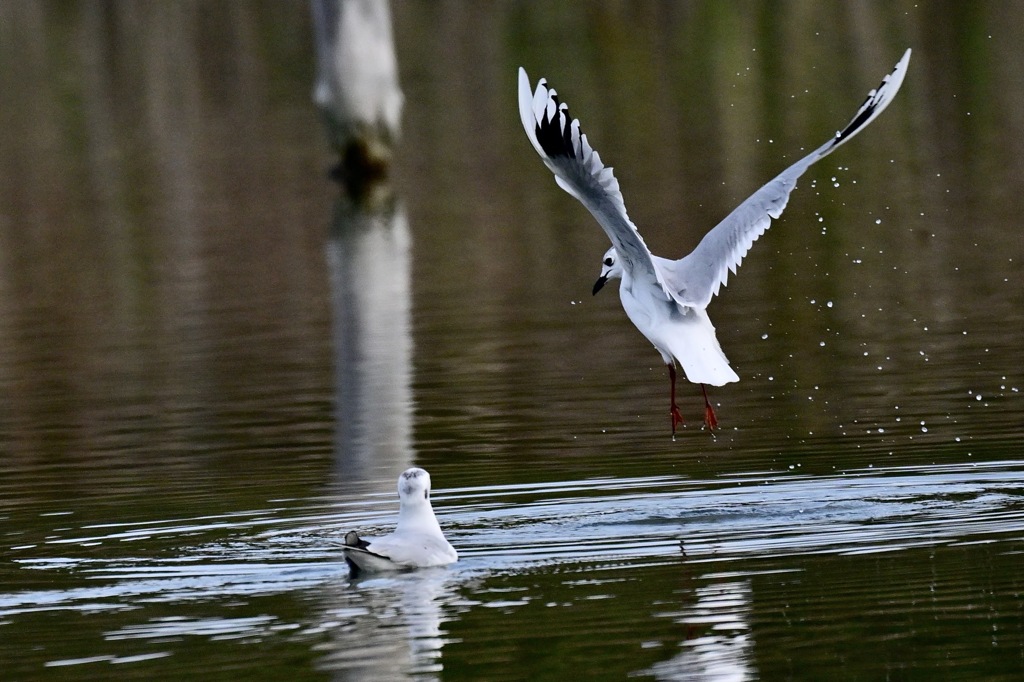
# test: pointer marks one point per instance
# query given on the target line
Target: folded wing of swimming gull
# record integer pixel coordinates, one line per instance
(417, 542)
(697, 277)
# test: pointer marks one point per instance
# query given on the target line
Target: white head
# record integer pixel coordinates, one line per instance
(414, 487)
(415, 515)
(610, 269)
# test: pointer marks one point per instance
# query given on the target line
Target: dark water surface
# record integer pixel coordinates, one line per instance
(211, 366)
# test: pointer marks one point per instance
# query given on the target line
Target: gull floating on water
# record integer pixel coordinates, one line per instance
(417, 541)
(667, 299)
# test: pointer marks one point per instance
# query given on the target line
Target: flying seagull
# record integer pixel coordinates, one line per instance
(417, 541)
(667, 299)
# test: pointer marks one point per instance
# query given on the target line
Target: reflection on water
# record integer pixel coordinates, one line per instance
(390, 627)
(723, 649)
(197, 403)
(387, 628)
(368, 256)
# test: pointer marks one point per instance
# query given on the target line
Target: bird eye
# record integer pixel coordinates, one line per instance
(608, 262)
(426, 494)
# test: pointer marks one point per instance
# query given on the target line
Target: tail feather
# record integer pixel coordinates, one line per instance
(695, 347)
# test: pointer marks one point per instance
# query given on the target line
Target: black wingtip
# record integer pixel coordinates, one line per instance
(352, 539)
(859, 120)
(877, 99)
(554, 132)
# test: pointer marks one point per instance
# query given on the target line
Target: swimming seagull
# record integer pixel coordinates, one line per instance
(417, 541)
(666, 299)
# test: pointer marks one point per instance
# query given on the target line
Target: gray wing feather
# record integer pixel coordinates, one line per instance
(579, 171)
(411, 549)
(698, 277)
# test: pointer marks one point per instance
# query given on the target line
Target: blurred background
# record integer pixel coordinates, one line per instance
(198, 322)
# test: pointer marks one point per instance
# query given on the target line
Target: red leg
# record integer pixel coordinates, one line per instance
(676, 417)
(709, 412)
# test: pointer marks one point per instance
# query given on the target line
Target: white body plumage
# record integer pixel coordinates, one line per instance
(666, 299)
(417, 542)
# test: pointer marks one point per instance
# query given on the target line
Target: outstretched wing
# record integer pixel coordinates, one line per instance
(695, 279)
(579, 171)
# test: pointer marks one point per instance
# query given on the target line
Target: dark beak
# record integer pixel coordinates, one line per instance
(599, 283)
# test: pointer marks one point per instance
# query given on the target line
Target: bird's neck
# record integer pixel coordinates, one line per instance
(419, 517)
